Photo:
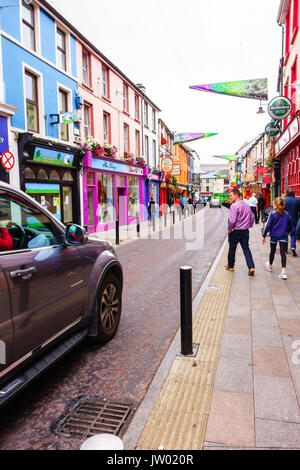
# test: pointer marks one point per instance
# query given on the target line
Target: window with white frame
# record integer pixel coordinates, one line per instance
(86, 67)
(32, 103)
(87, 120)
(106, 127)
(146, 114)
(147, 149)
(61, 49)
(28, 25)
(137, 143)
(154, 152)
(154, 120)
(63, 108)
(105, 84)
(125, 97)
(136, 107)
(126, 138)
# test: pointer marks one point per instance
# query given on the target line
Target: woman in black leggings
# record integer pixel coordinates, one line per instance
(279, 225)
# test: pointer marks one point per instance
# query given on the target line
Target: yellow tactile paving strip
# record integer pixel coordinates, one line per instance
(179, 417)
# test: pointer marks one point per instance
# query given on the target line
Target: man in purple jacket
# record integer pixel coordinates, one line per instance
(241, 218)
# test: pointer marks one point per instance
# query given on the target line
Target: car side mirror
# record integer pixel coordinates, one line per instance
(75, 235)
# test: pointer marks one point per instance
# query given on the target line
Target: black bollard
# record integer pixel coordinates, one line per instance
(153, 216)
(186, 311)
(138, 226)
(165, 217)
(117, 232)
(173, 217)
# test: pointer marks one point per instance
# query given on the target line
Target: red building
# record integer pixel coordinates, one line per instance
(288, 143)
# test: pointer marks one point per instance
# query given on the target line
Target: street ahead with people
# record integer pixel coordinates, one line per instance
(149, 278)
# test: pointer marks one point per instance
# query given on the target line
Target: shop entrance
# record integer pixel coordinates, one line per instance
(121, 206)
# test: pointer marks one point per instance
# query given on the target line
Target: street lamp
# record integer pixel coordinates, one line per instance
(260, 109)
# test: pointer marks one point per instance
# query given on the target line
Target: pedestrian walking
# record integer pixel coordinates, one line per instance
(241, 218)
(253, 204)
(292, 207)
(183, 203)
(279, 226)
(151, 208)
(261, 203)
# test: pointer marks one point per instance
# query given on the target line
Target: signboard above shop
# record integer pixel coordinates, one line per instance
(116, 167)
(52, 157)
(167, 165)
(290, 133)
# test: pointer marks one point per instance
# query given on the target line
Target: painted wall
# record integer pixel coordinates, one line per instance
(113, 106)
(151, 131)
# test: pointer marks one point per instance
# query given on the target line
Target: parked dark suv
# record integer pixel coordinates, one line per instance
(56, 287)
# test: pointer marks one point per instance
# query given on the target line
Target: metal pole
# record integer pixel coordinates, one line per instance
(173, 217)
(153, 216)
(138, 227)
(186, 311)
(165, 217)
(117, 232)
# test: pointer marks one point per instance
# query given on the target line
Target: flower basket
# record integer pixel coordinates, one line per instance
(140, 161)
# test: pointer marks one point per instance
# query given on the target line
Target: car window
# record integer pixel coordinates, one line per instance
(24, 224)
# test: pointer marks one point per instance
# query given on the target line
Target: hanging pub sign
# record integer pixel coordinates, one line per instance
(54, 157)
(272, 129)
(280, 107)
(167, 165)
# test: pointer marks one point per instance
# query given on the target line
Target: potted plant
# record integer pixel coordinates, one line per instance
(140, 161)
(110, 150)
(129, 157)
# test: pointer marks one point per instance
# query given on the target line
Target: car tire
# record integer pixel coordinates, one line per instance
(108, 308)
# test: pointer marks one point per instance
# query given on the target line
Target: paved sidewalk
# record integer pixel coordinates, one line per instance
(242, 390)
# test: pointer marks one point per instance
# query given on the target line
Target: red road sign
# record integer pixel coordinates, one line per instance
(7, 160)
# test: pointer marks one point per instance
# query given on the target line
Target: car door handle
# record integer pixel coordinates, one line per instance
(23, 273)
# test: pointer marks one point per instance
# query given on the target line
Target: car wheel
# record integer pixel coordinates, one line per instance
(108, 308)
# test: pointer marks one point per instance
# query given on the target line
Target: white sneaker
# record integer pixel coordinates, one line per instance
(268, 267)
(283, 276)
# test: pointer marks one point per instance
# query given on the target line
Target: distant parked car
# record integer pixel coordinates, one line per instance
(215, 203)
(57, 286)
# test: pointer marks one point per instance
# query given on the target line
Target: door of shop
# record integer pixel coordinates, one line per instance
(121, 206)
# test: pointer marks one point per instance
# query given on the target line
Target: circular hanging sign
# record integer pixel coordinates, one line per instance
(68, 118)
(280, 107)
(7, 160)
(272, 129)
(167, 165)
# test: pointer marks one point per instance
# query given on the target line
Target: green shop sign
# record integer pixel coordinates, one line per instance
(280, 107)
(272, 129)
(53, 157)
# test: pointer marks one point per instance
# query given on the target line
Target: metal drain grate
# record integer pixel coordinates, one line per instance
(95, 417)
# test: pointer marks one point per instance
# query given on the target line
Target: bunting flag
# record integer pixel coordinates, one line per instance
(231, 158)
(256, 89)
(221, 176)
(189, 137)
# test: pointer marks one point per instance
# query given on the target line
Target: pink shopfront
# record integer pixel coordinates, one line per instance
(113, 190)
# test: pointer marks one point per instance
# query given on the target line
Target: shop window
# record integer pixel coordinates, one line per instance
(28, 26)
(90, 178)
(54, 175)
(67, 176)
(32, 107)
(42, 175)
(67, 204)
(90, 207)
(29, 173)
(133, 196)
(106, 200)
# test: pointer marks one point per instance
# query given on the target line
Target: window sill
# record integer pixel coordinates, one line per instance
(137, 120)
(286, 58)
(87, 87)
(107, 100)
(126, 113)
(294, 35)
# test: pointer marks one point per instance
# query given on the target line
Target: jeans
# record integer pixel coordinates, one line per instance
(255, 213)
(242, 237)
(293, 238)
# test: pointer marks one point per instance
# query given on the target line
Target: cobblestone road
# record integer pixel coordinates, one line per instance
(124, 368)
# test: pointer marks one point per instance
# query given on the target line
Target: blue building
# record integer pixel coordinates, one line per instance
(39, 103)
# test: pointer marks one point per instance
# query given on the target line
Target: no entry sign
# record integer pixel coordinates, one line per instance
(7, 160)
